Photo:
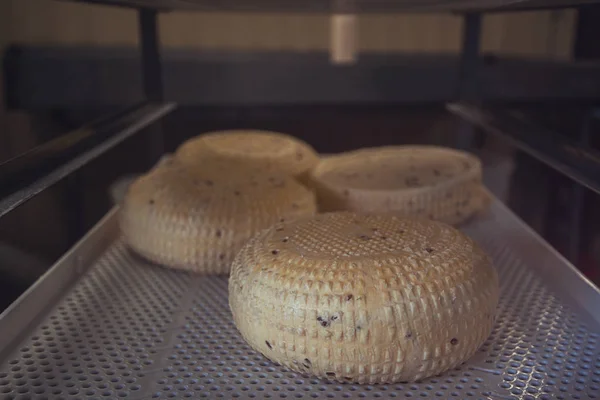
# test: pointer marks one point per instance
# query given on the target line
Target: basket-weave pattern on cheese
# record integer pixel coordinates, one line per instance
(268, 150)
(367, 299)
(198, 218)
(434, 182)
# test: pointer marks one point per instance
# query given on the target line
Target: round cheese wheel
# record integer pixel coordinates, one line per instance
(364, 298)
(433, 182)
(268, 150)
(197, 219)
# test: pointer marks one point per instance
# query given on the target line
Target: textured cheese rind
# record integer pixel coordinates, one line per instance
(263, 149)
(197, 219)
(364, 298)
(433, 182)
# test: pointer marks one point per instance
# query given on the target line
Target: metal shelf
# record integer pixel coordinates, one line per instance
(577, 161)
(103, 322)
(23, 177)
(57, 77)
(358, 6)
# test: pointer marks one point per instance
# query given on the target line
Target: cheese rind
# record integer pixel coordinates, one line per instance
(197, 219)
(271, 151)
(364, 298)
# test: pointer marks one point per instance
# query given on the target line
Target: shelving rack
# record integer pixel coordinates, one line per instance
(104, 324)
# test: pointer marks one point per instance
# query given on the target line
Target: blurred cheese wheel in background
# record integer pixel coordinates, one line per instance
(364, 298)
(267, 150)
(434, 182)
(198, 218)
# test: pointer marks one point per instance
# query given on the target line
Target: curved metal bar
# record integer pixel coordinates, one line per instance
(576, 161)
(24, 176)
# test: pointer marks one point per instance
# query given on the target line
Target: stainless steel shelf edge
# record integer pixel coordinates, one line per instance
(578, 162)
(129, 329)
(144, 117)
(554, 269)
(24, 312)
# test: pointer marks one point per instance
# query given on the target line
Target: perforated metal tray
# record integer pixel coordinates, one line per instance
(119, 327)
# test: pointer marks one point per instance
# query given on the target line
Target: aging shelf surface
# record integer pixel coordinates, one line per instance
(104, 323)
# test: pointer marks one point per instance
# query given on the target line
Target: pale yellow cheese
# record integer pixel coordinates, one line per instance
(197, 219)
(434, 182)
(267, 150)
(364, 298)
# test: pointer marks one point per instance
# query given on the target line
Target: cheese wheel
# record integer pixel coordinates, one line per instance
(433, 182)
(364, 298)
(197, 219)
(268, 150)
